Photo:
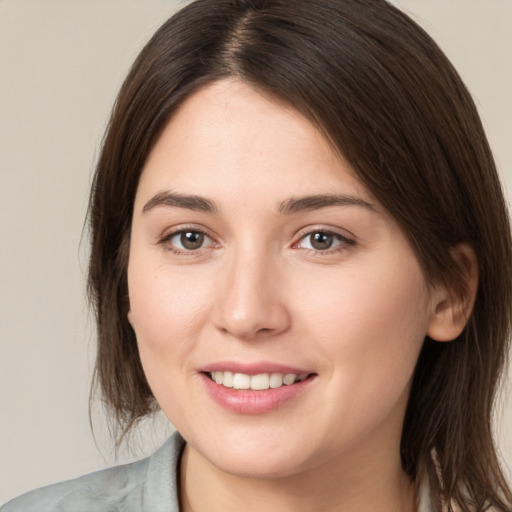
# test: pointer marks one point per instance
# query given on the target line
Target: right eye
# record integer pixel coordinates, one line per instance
(187, 241)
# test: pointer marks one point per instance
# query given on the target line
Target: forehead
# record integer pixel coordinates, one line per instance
(229, 138)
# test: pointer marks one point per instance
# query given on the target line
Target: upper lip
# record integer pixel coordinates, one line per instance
(256, 368)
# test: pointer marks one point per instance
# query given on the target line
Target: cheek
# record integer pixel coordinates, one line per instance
(165, 308)
(372, 307)
(371, 327)
(165, 311)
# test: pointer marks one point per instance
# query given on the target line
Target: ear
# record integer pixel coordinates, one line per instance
(451, 310)
(130, 317)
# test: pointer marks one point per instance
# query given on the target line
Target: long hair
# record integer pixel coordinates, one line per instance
(388, 100)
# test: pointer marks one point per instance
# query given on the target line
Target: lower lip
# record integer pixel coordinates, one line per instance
(247, 401)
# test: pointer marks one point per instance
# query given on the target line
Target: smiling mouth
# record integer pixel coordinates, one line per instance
(260, 382)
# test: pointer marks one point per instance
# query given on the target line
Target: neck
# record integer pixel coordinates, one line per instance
(352, 484)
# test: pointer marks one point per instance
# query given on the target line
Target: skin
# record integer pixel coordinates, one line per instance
(354, 315)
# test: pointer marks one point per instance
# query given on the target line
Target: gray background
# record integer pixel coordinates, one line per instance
(61, 64)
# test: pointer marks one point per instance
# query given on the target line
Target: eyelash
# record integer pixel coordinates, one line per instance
(344, 242)
(166, 241)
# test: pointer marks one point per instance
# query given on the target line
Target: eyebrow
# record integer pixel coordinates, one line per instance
(288, 207)
(316, 202)
(189, 202)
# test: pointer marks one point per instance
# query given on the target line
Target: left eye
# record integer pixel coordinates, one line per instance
(189, 240)
(321, 241)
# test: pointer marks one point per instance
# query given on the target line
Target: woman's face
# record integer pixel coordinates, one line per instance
(258, 260)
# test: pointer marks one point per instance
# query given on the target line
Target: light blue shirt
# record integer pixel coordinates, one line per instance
(150, 485)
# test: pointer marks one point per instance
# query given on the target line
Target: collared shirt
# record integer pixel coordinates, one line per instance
(150, 485)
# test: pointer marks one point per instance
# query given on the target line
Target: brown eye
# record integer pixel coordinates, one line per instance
(321, 241)
(187, 241)
(191, 240)
(324, 241)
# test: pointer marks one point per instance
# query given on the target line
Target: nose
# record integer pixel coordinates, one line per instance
(251, 304)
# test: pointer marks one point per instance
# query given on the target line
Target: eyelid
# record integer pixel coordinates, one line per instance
(170, 233)
(346, 238)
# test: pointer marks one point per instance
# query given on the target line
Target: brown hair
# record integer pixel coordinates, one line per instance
(388, 99)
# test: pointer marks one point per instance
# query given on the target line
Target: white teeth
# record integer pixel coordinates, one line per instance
(241, 381)
(276, 380)
(256, 382)
(289, 379)
(259, 382)
(228, 379)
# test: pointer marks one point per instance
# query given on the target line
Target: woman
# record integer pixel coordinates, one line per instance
(301, 253)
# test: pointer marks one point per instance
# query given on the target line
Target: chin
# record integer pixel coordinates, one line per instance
(261, 467)
(253, 457)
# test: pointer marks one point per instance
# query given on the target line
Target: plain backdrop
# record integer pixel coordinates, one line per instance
(61, 64)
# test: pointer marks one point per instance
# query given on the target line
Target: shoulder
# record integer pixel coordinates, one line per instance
(102, 490)
(146, 485)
